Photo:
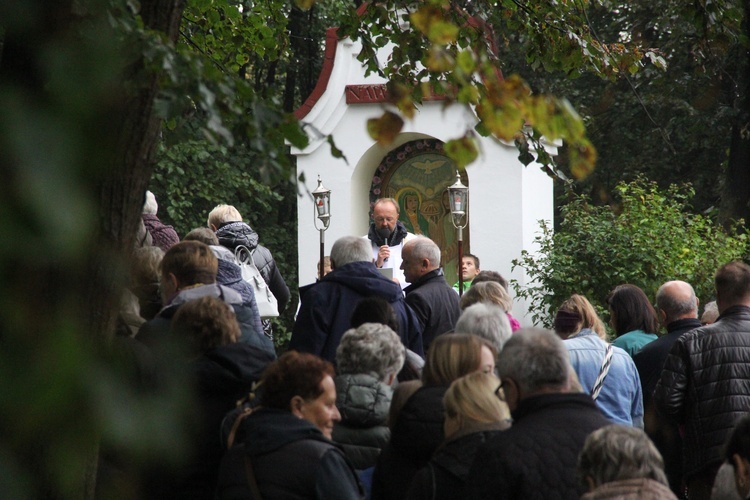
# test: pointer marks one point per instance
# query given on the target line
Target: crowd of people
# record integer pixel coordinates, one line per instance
(397, 385)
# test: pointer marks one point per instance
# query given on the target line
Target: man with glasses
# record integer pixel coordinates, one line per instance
(388, 235)
(538, 455)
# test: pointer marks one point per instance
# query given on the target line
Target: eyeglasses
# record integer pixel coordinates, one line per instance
(499, 391)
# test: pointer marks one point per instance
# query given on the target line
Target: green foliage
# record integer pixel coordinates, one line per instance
(194, 176)
(669, 125)
(449, 50)
(648, 238)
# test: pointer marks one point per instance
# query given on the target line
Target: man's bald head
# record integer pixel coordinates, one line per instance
(676, 300)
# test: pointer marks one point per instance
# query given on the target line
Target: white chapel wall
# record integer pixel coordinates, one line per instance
(506, 199)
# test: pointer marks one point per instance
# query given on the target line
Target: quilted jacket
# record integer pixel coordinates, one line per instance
(705, 385)
(363, 402)
(537, 457)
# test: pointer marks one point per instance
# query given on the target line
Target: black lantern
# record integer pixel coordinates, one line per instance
(458, 194)
(322, 201)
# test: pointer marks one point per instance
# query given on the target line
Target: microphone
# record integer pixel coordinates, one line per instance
(384, 233)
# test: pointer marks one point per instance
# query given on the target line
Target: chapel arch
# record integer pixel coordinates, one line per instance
(417, 174)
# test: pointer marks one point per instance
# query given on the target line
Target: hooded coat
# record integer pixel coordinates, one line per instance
(229, 274)
(233, 234)
(291, 459)
(326, 309)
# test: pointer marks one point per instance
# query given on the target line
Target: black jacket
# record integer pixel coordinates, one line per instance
(650, 359)
(327, 306)
(444, 476)
(233, 234)
(537, 457)
(435, 303)
(705, 385)
(291, 459)
(416, 434)
(363, 402)
(220, 377)
(665, 434)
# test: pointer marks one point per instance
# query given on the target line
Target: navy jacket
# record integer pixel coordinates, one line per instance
(327, 306)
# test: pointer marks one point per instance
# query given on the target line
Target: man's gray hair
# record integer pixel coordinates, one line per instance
(675, 305)
(348, 249)
(487, 321)
(370, 348)
(618, 452)
(535, 359)
(423, 247)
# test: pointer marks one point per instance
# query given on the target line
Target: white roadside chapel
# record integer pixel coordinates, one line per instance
(506, 199)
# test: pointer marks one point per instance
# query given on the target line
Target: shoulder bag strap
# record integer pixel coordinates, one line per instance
(254, 490)
(236, 426)
(603, 372)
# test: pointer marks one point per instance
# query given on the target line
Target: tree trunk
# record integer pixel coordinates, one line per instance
(735, 193)
(76, 155)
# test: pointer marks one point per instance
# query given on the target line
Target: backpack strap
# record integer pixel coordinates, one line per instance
(241, 253)
(606, 362)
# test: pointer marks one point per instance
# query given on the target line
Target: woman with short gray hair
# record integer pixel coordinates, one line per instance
(368, 359)
(618, 461)
(371, 348)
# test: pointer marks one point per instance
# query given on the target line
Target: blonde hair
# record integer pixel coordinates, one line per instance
(453, 355)
(589, 319)
(487, 292)
(221, 214)
(472, 397)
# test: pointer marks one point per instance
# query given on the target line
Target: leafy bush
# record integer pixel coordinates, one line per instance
(648, 238)
(194, 176)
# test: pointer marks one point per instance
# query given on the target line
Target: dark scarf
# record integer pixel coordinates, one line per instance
(395, 239)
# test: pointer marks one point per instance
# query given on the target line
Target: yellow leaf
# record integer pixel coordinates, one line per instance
(442, 32)
(430, 21)
(463, 151)
(465, 61)
(385, 129)
(439, 59)
(582, 159)
(400, 95)
(304, 4)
